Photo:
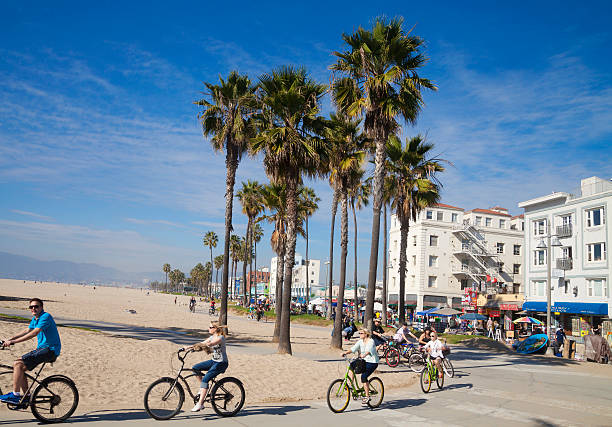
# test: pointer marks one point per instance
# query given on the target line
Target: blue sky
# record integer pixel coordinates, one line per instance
(102, 159)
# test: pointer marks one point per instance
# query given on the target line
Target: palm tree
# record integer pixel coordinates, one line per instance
(257, 234)
(347, 153)
(414, 186)
(359, 193)
(235, 254)
(381, 83)
(226, 116)
(210, 239)
(167, 269)
(198, 274)
(252, 205)
(218, 262)
(309, 205)
(289, 125)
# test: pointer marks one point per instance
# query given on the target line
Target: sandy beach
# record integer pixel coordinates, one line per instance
(114, 372)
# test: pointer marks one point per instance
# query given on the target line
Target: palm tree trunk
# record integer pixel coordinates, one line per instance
(251, 265)
(307, 263)
(231, 164)
(255, 256)
(212, 266)
(244, 264)
(334, 209)
(284, 342)
(377, 193)
(280, 269)
(355, 308)
(337, 337)
(402, 269)
(384, 289)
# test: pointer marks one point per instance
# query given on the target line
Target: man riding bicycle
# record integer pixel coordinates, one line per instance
(43, 327)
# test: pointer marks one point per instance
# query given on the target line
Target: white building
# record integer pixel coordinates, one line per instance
(450, 250)
(580, 266)
(298, 287)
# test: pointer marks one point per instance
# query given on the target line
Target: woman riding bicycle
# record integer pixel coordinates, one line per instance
(425, 336)
(216, 365)
(365, 348)
(434, 348)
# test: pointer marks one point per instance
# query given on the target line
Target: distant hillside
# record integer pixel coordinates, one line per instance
(26, 268)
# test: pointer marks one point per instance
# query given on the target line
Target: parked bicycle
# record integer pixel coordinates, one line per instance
(429, 375)
(53, 399)
(164, 397)
(341, 390)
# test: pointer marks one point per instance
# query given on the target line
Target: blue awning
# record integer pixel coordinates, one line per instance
(426, 312)
(596, 309)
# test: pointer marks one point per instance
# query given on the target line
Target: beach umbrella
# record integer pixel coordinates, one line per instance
(473, 316)
(527, 319)
(445, 312)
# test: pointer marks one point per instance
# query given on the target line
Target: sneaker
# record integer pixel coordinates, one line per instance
(365, 401)
(196, 408)
(10, 398)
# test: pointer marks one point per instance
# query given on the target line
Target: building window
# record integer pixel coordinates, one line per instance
(500, 267)
(566, 220)
(464, 283)
(539, 257)
(413, 259)
(567, 252)
(440, 216)
(433, 240)
(500, 248)
(537, 288)
(478, 220)
(566, 286)
(597, 287)
(516, 269)
(414, 240)
(595, 217)
(502, 223)
(433, 261)
(454, 217)
(596, 252)
(517, 249)
(488, 222)
(429, 215)
(431, 283)
(539, 227)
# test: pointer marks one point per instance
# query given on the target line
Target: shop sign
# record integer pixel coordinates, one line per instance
(470, 297)
(509, 307)
(494, 313)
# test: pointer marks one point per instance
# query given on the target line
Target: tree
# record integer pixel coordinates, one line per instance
(218, 262)
(309, 205)
(198, 276)
(358, 193)
(347, 153)
(257, 234)
(289, 125)
(414, 186)
(381, 83)
(166, 268)
(235, 254)
(226, 116)
(252, 205)
(210, 239)
(176, 278)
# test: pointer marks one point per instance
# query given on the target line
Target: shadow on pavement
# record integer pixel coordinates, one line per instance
(262, 410)
(458, 386)
(402, 403)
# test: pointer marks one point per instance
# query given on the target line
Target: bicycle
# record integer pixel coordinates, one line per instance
(428, 375)
(212, 311)
(54, 399)
(165, 396)
(341, 390)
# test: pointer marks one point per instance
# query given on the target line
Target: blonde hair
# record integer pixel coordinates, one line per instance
(219, 329)
(365, 331)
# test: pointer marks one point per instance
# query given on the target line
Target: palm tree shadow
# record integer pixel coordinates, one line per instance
(403, 403)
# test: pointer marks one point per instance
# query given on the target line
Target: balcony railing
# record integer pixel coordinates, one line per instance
(564, 230)
(564, 263)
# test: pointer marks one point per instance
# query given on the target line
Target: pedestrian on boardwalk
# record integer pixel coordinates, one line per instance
(489, 328)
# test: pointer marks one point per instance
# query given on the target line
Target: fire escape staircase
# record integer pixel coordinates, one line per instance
(474, 245)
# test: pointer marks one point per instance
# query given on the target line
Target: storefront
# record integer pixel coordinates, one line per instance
(577, 318)
(410, 302)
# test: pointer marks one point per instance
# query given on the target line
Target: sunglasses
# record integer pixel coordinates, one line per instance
(32, 307)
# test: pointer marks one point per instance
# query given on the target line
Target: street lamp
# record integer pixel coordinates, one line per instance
(327, 287)
(548, 245)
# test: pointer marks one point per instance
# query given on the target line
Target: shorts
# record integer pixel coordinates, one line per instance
(370, 368)
(38, 356)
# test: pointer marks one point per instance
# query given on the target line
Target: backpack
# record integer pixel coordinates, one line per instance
(358, 366)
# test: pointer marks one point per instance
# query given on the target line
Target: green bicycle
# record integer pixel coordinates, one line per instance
(341, 390)
(429, 374)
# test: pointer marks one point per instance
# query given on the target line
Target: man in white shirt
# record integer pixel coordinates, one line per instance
(434, 348)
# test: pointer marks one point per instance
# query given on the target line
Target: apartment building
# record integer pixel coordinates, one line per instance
(580, 269)
(451, 250)
(298, 287)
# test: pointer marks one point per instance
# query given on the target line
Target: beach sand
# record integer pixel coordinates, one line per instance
(113, 372)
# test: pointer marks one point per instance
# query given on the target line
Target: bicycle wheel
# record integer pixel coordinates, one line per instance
(338, 396)
(161, 401)
(440, 379)
(227, 396)
(54, 400)
(448, 367)
(416, 362)
(425, 381)
(392, 357)
(6, 382)
(377, 392)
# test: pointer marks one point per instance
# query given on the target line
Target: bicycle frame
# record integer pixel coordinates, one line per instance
(352, 383)
(184, 379)
(33, 380)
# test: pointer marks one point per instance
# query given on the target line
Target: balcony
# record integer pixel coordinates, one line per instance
(564, 263)
(564, 230)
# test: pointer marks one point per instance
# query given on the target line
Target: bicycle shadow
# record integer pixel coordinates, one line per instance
(102, 415)
(261, 410)
(402, 403)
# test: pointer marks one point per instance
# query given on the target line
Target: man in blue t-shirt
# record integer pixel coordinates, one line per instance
(43, 327)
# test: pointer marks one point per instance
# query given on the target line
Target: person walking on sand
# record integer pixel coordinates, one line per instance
(49, 345)
(216, 365)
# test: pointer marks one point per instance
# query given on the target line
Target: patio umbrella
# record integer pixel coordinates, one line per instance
(473, 316)
(446, 312)
(527, 319)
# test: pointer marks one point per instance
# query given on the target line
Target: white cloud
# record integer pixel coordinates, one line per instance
(32, 214)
